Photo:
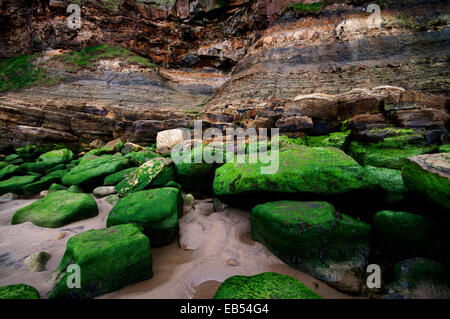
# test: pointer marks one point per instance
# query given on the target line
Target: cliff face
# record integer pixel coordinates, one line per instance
(257, 63)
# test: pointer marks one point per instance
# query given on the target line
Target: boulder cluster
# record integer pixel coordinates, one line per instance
(330, 209)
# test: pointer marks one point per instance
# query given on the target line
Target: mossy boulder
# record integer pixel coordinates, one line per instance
(337, 140)
(391, 152)
(155, 210)
(57, 209)
(268, 285)
(9, 170)
(112, 146)
(419, 278)
(313, 238)
(444, 148)
(301, 170)
(391, 181)
(44, 182)
(156, 172)
(116, 178)
(19, 291)
(109, 259)
(429, 177)
(16, 184)
(91, 170)
(53, 158)
(56, 187)
(196, 171)
(402, 235)
(141, 157)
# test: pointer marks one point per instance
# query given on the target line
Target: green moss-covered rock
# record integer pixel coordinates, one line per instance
(156, 172)
(392, 152)
(19, 291)
(403, 235)
(337, 140)
(11, 157)
(141, 157)
(155, 210)
(429, 177)
(57, 209)
(391, 181)
(53, 158)
(112, 146)
(75, 189)
(311, 237)
(444, 148)
(268, 285)
(9, 170)
(56, 187)
(109, 259)
(91, 170)
(419, 278)
(44, 182)
(116, 178)
(16, 184)
(301, 170)
(196, 172)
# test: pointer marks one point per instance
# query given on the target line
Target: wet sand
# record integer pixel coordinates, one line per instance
(212, 246)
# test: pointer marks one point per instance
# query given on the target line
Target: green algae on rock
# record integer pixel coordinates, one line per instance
(52, 158)
(57, 209)
(116, 178)
(429, 176)
(56, 187)
(391, 182)
(91, 170)
(269, 285)
(16, 184)
(156, 172)
(141, 157)
(419, 278)
(44, 182)
(155, 210)
(19, 291)
(109, 259)
(9, 170)
(307, 170)
(403, 235)
(311, 237)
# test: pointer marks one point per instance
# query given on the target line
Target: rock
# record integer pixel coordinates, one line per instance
(117, 177)
(429, 177)
(15, 184)
(121, 252)
(96, 143)
(155, 210)
(19, 291)
(91, 171)
(5, 198)
(37, 261)
(104, 191)
(419, 278)
(167, 139)
(112, 199)
(75, 189)
(57, 209)
(391, 181)
(141, 157)
(268, 285)
(311, 237)
(337, 140)
(444, 148)
(131, 147)
(11, 158)
(391, 152)
(56, 187)
(44, 182)
(218, 206)
(53, 158)
(301, 170)
(43, 193)
(404, 235)
(188, 202)
(8, 171)
(154, 173)
(112, 146)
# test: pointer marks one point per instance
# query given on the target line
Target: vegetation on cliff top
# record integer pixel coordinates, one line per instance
(304, 7)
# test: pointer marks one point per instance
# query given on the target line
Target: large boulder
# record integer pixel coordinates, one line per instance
(19, 291)
(155, 210)
(419, 278)
(402, 235)
(16, 184)
(44, 183)
(301, 170)
(268, 285)
(156, 172)
(313, 238)
(429, 177)
(391, 182)
(57, 209)
(9, 170)
(109, 259)
(167, 139)
(116, 178)
(53, 158)
(141, 157)
(91, 170)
